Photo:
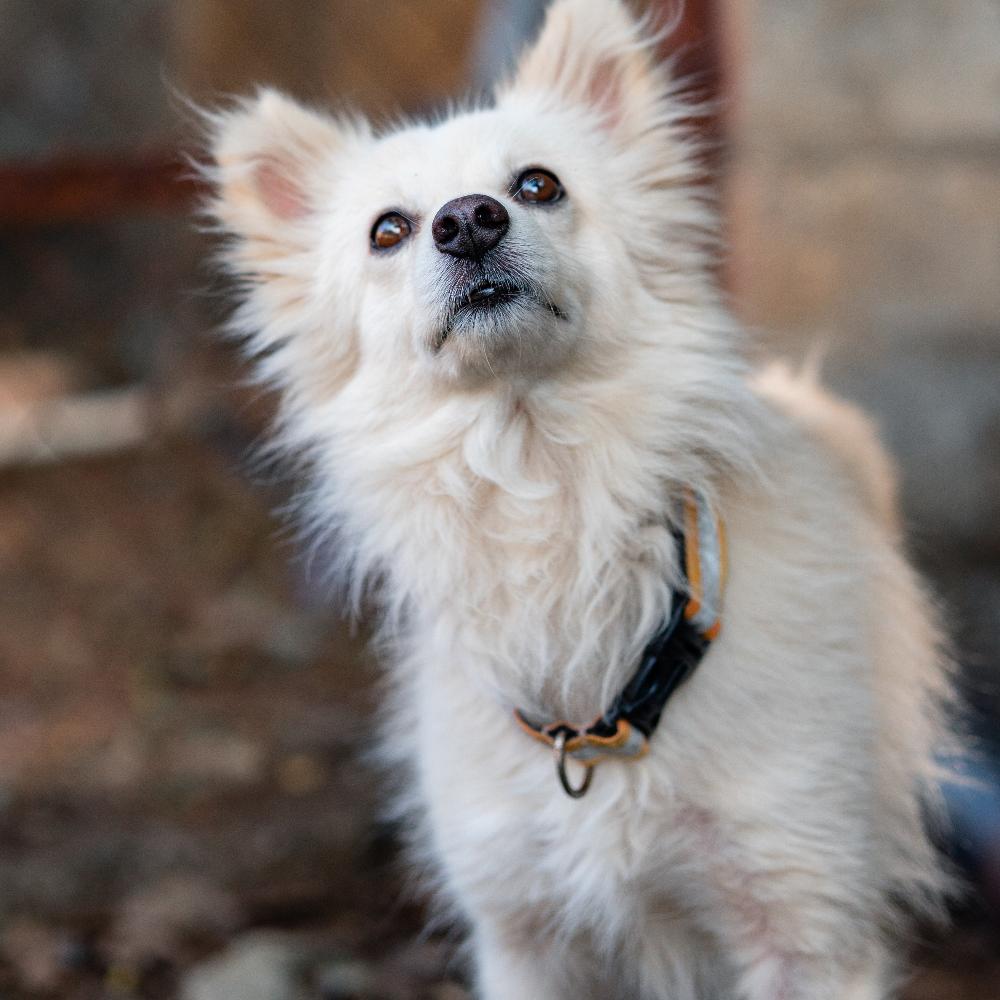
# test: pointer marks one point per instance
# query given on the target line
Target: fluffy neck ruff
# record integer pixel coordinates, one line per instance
(525, 531)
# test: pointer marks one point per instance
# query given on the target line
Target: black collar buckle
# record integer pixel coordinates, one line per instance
(669, 659)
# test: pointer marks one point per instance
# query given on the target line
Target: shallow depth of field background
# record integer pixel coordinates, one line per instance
(182, 808)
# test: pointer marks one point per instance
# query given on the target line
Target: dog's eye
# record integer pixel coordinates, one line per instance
(537, 186)
(390, 230)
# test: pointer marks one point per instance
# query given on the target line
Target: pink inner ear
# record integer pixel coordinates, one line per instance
(279, 191)
(605, 94)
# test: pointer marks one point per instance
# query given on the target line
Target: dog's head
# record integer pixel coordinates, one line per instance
(509, 242)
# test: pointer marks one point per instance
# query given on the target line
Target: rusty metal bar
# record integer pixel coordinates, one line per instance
(696, 39)
(90, 188)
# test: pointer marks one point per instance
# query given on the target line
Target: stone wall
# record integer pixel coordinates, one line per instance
(864, 201)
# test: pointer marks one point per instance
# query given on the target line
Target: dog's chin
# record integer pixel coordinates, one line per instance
(502, 330)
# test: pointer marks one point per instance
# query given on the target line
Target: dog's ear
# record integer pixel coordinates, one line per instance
(594, 54)
(271, 159)
(275, 170)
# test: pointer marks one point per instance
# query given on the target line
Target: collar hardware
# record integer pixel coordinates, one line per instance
(669, 659)
(573, 791)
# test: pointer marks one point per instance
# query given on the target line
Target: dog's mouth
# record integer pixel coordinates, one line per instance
(483, 298)
(486, 296)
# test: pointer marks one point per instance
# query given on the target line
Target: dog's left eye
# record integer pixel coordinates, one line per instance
(537, 186)
(390, 230)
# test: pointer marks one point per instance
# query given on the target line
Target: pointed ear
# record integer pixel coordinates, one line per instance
(270, 154)
(275, 169)
(593, 54)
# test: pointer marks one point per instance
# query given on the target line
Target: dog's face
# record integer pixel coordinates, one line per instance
(505, 243)
(474, 244)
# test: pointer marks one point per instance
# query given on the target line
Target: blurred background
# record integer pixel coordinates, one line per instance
(183, 812)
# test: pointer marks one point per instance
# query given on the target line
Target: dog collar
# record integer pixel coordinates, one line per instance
(669, 659)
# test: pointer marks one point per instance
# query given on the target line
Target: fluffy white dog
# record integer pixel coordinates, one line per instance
(501, 348)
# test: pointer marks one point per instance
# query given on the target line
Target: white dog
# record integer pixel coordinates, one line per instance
(501, 348)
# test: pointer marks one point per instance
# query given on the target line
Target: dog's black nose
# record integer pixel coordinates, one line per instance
(470, 225)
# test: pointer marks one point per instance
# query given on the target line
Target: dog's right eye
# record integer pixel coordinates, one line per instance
(390, 230)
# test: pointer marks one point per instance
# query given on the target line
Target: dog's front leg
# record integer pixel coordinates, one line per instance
(521, 966)
(799, 977)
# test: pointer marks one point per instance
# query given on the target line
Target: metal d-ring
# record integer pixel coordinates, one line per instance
(559, 748)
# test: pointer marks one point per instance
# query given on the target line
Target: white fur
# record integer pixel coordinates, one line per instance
(510, 495)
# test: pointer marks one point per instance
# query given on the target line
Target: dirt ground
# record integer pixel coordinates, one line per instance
(184, 809)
